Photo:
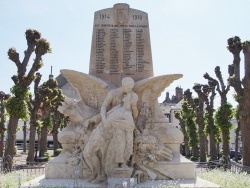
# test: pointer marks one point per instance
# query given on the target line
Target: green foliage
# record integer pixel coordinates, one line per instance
(190, 123)
(52, 95)
(187, 117)
(48, 122)
(9, 180)
(22, 93)
(223, 118)
(227, 179)
(46, 154)
(17, 107)
(15, 178)
(38, 66)
(43, 47)
(17, 104)
(58, 151)
(237, 98)
(39, 123)
(211, 126)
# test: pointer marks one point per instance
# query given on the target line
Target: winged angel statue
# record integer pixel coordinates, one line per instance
(116, 128)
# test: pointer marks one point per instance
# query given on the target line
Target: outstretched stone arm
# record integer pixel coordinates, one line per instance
(105, 107)
(134, 107)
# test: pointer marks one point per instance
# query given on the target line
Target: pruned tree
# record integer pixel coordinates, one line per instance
(237, 133)
(3, 97)
(208, 92)
(209, 127)
(34, 105)
(188, 127)
(198, 106)
(17, 104)
(182, 122)
(224, 112)
(24, 136)
(59, 121)
(52, 99)
(242, 89)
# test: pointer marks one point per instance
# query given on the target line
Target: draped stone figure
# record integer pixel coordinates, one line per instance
(121, 126)
(111, 143)
(103, 138)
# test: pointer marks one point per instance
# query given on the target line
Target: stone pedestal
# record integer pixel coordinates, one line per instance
(181, 168)
(122, 173)
(62, 171)
(60, 168)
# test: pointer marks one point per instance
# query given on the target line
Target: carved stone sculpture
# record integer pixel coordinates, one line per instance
(100, 135)
(116, 127)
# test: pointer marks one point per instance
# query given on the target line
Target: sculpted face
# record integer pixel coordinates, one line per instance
(127, 84)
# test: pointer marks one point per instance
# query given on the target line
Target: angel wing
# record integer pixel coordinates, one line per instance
(154, 86)
(92, 90)
(148, 91)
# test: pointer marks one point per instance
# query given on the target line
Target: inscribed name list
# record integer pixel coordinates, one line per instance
(121, 45)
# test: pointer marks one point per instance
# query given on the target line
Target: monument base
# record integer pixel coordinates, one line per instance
(179, 168)
(71, 183)
(122, 173)
(63, 171)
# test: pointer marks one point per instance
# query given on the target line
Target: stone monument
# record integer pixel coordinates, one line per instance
(116, 128)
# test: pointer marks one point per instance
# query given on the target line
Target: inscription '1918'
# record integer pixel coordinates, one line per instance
(137, 17)
(104, 16)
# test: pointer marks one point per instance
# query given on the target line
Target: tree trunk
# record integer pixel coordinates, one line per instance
(31, 153)
(225, 142)
(195, 150)
(244, 108)
(1, 141)
(56, 117)
(245, 143)
(11, 137)
(55, 141)
(38, 132)
(213, 148)
(43, 141)
(24, 136)
(55, 138)
(218, 150)
(2, 129)
(187, 150)
(207, 149)
(202, 141)
(245, 131)
(237, 133)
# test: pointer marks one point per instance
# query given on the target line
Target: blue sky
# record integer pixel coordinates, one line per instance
(187, 37)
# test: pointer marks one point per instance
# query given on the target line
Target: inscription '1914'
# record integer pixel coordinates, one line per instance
(104, 16)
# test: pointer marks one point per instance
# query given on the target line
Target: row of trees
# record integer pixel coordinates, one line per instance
(216, 125)
(21, 104)
(195, 111)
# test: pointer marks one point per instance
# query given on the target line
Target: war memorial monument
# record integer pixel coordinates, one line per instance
(117, 129)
